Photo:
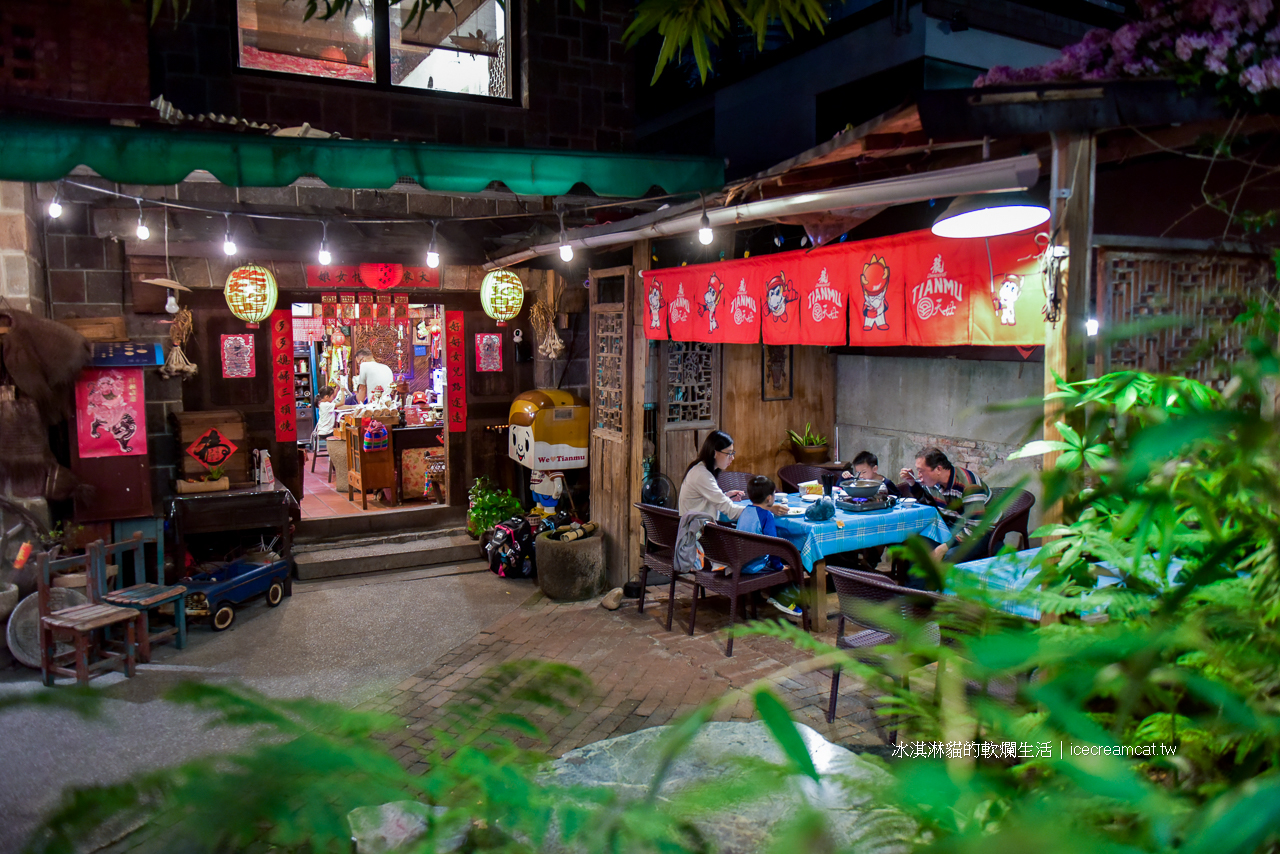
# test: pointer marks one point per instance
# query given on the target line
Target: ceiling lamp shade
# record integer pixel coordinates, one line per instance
(251, 293)
(990, 215)
(501, 295)
(380, 277)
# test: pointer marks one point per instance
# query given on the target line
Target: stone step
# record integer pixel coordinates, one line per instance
(383, 553)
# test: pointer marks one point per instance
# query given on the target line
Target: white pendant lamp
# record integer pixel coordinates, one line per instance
(990, 215)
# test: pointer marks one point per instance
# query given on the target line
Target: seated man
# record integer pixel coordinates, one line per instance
(960, 496)
(866, 467)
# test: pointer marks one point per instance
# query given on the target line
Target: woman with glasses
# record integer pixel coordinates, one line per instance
(700, 493)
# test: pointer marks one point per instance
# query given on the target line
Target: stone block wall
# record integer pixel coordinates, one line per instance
(87, 278)
(22, 282)
(574, 84)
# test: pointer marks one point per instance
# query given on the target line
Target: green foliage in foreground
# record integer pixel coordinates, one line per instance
(1185, 659)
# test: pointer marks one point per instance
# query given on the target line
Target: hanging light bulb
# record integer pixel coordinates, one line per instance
(566, 251)
(55, 207)
(228, 245)
(705, 234)
(171, 304)
(323, 256)
(362, 25)
(1091, 327)
(433, 255)
(143, 231)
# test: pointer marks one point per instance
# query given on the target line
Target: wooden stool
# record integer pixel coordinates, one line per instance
(142, 596)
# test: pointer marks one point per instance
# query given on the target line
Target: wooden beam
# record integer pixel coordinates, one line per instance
(641, 260)
(1073, 168)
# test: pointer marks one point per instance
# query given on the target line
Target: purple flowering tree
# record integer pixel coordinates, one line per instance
(1232, 45)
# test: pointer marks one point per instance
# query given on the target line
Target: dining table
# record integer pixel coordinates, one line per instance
(848, 531)
(1013, 572)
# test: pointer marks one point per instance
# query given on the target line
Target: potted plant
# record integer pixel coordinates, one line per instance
(487, 507)
(215, 480)
(809, 448)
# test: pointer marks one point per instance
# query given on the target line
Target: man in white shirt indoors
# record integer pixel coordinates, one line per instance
(374, 380)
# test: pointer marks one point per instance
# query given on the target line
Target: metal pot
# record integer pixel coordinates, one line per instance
(861, 488)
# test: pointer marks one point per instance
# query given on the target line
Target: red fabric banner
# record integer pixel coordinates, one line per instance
(348, 276)
(455, 358)
(655, 309)
(824, 294)
(908, 289)
(283, 402)
(679, 301)
(780, 322)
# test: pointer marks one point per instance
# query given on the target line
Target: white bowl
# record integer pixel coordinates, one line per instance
(810, 498)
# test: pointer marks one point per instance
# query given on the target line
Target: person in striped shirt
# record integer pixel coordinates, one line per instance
(960, 496)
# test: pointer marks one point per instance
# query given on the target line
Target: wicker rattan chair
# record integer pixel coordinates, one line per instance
(734, 480)
(1013, 520)
(790, 477)
(735, 549)
(660, 527)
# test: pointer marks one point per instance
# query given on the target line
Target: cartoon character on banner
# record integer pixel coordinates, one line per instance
(107, 408)
(655, 304)
(875, 282)
(710, 301)
(779, 293)
(1007, 299)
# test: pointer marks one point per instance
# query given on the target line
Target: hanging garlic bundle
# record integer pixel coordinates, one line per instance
(544, 322)
(176, 364)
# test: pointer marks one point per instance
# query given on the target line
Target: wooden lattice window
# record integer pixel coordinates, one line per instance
(1207, 291)
(609, 371)
(690, 382)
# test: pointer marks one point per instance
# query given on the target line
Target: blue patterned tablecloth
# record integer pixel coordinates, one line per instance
(1013, 572)
(816, 540)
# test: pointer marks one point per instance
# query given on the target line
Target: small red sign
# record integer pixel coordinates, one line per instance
(212, 448)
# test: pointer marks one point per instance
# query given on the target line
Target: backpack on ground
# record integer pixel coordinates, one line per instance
(511, 553)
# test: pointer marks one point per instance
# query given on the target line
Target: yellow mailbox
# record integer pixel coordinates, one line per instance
(549, 430)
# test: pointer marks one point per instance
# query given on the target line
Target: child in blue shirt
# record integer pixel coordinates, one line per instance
(758, 519)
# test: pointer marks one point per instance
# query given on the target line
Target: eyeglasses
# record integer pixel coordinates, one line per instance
(728, 453)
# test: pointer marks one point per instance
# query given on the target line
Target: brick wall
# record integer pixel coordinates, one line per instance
(578, 79)
(87, 279)
(92, 51)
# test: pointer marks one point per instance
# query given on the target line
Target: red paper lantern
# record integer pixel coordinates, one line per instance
(381, 276)
(337, 339)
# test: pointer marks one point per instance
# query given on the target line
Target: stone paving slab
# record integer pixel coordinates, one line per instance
(644, 676)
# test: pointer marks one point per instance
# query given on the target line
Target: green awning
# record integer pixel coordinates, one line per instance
(33, 150)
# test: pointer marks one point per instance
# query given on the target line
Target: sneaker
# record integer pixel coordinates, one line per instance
(792, 611)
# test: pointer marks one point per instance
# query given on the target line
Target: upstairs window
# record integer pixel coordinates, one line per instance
(464, 50)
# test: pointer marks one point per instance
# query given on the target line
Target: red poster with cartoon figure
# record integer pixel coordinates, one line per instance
(824, 293)
(111, 413)
(1010, 310)
(678, 292)
(655, 308)
(742, 303)
(780, 321)
(876, 295)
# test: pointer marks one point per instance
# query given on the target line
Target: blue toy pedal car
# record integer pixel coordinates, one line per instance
(215, 593)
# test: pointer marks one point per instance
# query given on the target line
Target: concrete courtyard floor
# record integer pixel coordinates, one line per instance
(405, 643)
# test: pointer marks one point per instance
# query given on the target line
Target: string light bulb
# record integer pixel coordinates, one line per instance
(55, 207)
(433, 255)
(705, 234)
(566, 251)
(228, 245)
(143, 231)
(323, 256)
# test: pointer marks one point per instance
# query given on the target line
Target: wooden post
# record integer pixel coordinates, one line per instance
(1071, 226)
(641, 260)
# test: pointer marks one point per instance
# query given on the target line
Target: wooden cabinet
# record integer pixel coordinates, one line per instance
(368, 470)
